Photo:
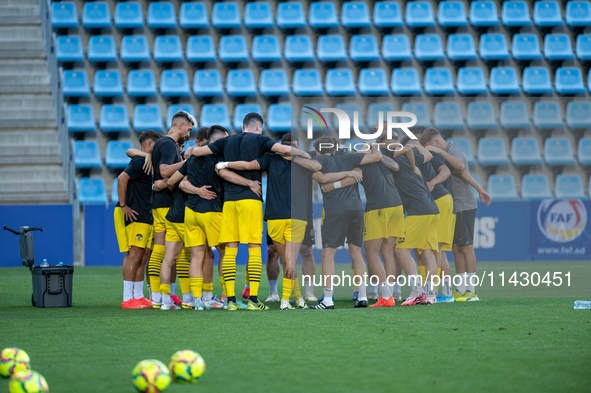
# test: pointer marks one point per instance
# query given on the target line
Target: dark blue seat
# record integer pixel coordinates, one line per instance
(493, 47)
(525, 47)
(502, 188)
(559, 152)
(465, 145)
(266, 48)
(578, 14)
(298, 48)
(481, 116)
(87, 155)
(340, 82)
(515, 14)
(525, 151)
(291, 15)
(451, 14)
(226, 15)
(331, 48)
(557, 47)
(492, 152)
(208, 83)
(364, 48)
(503, 81)
(419, 14)
(307, 82)
(471, 81)
(161, 15)
(578, 115)
(420, 110)
(536, 81)
(373, 112)
(80, 118)
(322, 15)
(102, 49)
(396, 48)
(448, 116)
(168, 49)
(373, 82)
(232, 48)
(584, 47)
(460, 47)
(147, 117)
(355, 15)
(174, 83)
(547, 14)
(258, 15)
(274, 83)
(193, 15)
(279, 117)
(107, 83)
(569, 81)
(569, 187)
(115, 156)
(129, 15)
(174, 108)
(240, 83)
(75, 84)
(439, 81)
(584, 153)
(141, 83)
(200, 49)
(135, 49)
(114, 118)
(92, 190)
(514, 115)
(215, 114)
(241, 110)
(428, 47)
(405, 82)
(96, 15)
(484, 14)
(387, 14)
(64, 15)
(69, 49)
(535, 187)
(547, 115)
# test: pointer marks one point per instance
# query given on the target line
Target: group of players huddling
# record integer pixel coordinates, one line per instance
(174, 207)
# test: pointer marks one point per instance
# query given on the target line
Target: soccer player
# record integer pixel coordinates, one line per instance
(273, 269)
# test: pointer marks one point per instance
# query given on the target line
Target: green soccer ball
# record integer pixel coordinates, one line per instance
(186, 366)
(27, 381)
(13, 360)
(150, 376)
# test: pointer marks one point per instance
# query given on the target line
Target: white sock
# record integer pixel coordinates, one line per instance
(429, 287)
(166, 299)
(462, 287)
(327, 297)
(362, 291)
(127, 290)
(309, 290)
(415, 281)
(373, 288)
(207, 296)
(446, 287)
(138, 289)
(157, 297)
(470, 283)
(272, 286)
(396, 288)
(385, 290)
(172, 285)
(187, 297)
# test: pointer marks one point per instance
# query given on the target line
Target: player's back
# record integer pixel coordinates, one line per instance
(165, 151)
(345, 198)
(380, 188)
(278, 198)
(139, 190)
(201, 172)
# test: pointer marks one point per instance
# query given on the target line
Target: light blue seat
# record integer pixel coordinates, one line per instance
(226, 15)
(215, 114)
(535, 187)
(428, 47)
(114, 118)
(515, 14)
(80, 118)
(578, 14)
(387, 14)
(75, 83)
(502, 188)
(174, 108)
(107, 83)
(373, 82)
(420, 110)
(266, 48)
(232, 48)
(200, 49)
(241, 110)
(304, 116)
(240, 83)
(135, 48)
(193, 15)
(168, 49)
(147, 117)
(322, 15)
(526, 47)
(419, 14)
(331, 48)
(188, 144)
(558, 152)
(96, 15)
(481, 116)
(364, 48)
(493, 47)
(514, 115)
(307, 82)
(569, 186)
(557, 47)
(115, 157)
(274, 83)
(584, 47)
(484, 14)
(161, 15)
(129, 15)
(258, 15)
(102, 49)
(69, 49)
(547, 14)
(448, 116)
(64, 15)
(525, 151)
(87, 155)
(460, 47)
(536, 80)
(174, 83)
(578, 114)
(451, 14)
(438, 81)
(569, 81)
(405, 82)
(208, 83)
(492, 152)
(373, 111)
(279, 117)
(298, 48)
(340, 82)
(465, 145)
(350, 110)
(291, 15)
(141, 83)
(92, 190)
(396, 48)
(503, 81)
(114, 194)
(547, 115)
(471, 81)
(355, 15)
(584, 151)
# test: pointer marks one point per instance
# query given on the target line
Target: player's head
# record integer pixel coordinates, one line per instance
(418, 131)
(201, 139)
(325, 145)
(147, 140)
(253, 122)
(290, 139)
(383, 138)
(182, 124)
(432, 137)
(216, 132)
(405, 140)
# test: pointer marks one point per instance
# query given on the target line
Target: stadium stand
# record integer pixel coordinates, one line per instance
(355, 15)
(340, 82)
(584, 48)
(492, 152)
(547, 14)
(298, 49)
(215, 114)
(536, 81)
(135, 49)
(226, 15)
(502, 188)
(258, 15)
(200, 49)
(307, 82)
(75, 84)
(88, 155)
(114, 195)
(278, 117)
(364, 48)
(439, 82)
(373, 112)
(128, 15)
(503, 81)
(102, 49)
(584, 153)
(558, 152)
(168, 49)
(92, 190)
(578, 14)
(64, 15)
(274, 83)
(526, 47)
(266, 49)
(174, 83)
(141, 83)
(240, 83)
(207, 83)
(447, 116)
(96, 15)
(493, 47)
(535, 187)
(421, 111)
(557, 47)
(373, 82)
(291, 15)
(331, 49)
(451, 14)
(396, 48)
(322, 15)
(419, 14)
(406, 82)
(484, 14)
(460, 47)
(387, 14)
(547, 115)
(80, 118)
(69, 49)
(147, 117)
(428, 48)
(107, 83)
(114, 119)
(193, 16)
(466, 145)
(569, 81)
(471, 81)
(481, 116)
(569, 186)
(515, 14)
(514, 115)
(232, 49)
(161, 15)
(115, 157)
(578, 115)
(525, 151)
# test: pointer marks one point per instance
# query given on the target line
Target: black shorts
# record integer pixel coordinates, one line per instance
(340, 226)
(464, 233)
(269, 240)
(310, 236)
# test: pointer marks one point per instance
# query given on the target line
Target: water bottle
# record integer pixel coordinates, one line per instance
(44, 263)
(582, 304)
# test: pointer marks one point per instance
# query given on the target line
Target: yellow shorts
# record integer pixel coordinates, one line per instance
(420, 233)
(120, 231)
(159, 219)
(200, 227)
(242, 221)
(447, 221)
(139, 234)
(175, 232)
(383, 223)
(290, 230)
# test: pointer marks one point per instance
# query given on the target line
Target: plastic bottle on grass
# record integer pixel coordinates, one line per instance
(582, 304)
(44, 263)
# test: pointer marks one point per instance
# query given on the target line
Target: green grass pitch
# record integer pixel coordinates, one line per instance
(526, 344)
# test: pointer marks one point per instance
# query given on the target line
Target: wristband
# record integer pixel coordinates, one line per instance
(337, 184)
(221, 165)
(122, 206)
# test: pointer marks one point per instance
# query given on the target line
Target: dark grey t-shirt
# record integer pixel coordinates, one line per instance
(462, 191)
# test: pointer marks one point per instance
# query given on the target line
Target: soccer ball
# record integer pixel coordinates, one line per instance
(27, 381)
(150, 376)
(186, 366)
(13, 360)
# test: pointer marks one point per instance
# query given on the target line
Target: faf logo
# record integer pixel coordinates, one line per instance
(562, 220)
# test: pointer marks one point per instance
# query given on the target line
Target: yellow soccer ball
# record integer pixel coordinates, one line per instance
(13, 360)
(186, 366)
(150, 376)
(27, 381)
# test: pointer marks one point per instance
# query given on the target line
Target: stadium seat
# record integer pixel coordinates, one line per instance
(525, 151)
(96, 15)
(471, 81)
(240, 83)
(258, 15)
(584, 47)
(331, 48)
(387, 14)
(438, 82)
(578, 114)
(492, 152)
(547, 115)
(69, 49)
(428, 47)
(536, 81)
(396, 48)
(147, 117)
(215, 114)
(307, 82)
(266, 48)
(80, 118)
(226, 15)
(514, 115)
(350, 110)
(420, 110)
(168, 49)
(193, 15)
(174, 108)
(304, 116)
(75, 83)
(107, 83)
(578, 14)
(558, 152)
(208, 83)
(242, 110)
(102, 49)
(483, 14)
(161, 15)
(502, 188)
(200, 49)
(493, 47)
(569, 81)
(419, 14)
(515, 14)
(481, 116)
(535, 187)
(92, 190)
(87, 155)
(114, 195)
(373, 82)
(274, 83)
(115, 156)
(355, 15)
(557, 47)
(279, 117)
(232, 48)
(298, 48)
(547, 14)
(322, 15)
(364, 48)
(174, 83)
(447, 116)
(569, 186)
(584, 151)
(291, 15)
(129, 15)
(460, 47)
(114, 118)
(141, 83)
(451, 14)
(525, 47)
(465, 144)
(340, 82)
(64, 15)
(135, 48)
(373, 112)
(503, 81)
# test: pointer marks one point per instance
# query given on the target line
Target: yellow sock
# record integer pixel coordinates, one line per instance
(196, 286)
(182, 269)
(208, 287)
(286, 289)
(423, 273)
(255, 267)
(229, 270)
(296, 288)
(355, 286)
(165, 289)
(154, 266)
(223, 284)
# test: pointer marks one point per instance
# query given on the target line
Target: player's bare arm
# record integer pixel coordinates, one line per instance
(169, 170)
(374, 156)
(235, 178)
(442, 175)
(173, 181)
(203, 192)
(323, 178)
(309, 164)
(421, 149)
(454, 161)
(147, 159)
(390, 163)
(355, 177)
(243, 165)
(289, 150)
(160, 185)
(410, 156)
(130, 214)
(201, 151)
(482, 194)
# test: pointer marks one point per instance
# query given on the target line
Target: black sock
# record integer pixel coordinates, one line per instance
(254, 299)
(232, 299)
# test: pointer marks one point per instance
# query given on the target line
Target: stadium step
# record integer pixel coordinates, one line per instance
(24, 66)
(21, 197)
(32, 83)
(41, 137)
(34, 117)
(8, 33)
(19, 14)
(26, 101)
(49, 173)
(18, 48)
(30, 154)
